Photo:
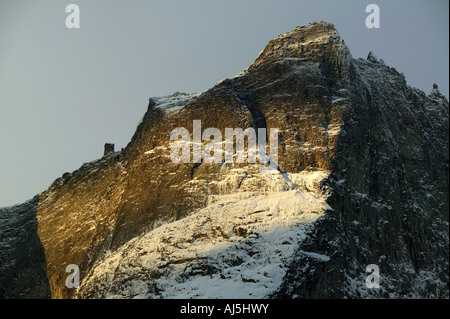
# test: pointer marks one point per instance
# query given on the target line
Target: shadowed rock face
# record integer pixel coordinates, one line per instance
(383, 144)
(22, 259)
(390, 196)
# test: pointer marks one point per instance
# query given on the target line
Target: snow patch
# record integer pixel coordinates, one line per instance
(174, 102)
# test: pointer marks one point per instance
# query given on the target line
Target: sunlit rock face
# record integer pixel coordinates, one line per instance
(362, 179)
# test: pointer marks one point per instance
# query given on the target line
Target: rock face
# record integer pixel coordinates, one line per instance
(22, 259)
(362, 179)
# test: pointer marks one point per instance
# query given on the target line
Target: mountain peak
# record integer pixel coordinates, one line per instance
(351, 139)
(303, 42)
(315, 43)
(311, 31)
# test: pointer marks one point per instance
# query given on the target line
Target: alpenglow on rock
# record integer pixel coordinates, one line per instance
(363, 178)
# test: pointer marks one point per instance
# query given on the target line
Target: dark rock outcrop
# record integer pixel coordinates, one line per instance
(109, 148)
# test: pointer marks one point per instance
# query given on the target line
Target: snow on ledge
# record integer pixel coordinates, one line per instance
(175, 101)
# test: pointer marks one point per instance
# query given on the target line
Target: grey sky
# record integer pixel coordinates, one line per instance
(65, 92)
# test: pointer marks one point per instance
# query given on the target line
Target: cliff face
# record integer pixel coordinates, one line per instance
(390, 196)
(362, 179)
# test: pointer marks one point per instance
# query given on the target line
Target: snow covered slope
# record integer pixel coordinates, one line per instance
(238, 246)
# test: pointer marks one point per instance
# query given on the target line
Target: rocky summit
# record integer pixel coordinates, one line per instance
(362, 179)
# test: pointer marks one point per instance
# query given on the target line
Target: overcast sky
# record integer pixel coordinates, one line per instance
(65, 92)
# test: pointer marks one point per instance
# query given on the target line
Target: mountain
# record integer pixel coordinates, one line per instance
(362, 178)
